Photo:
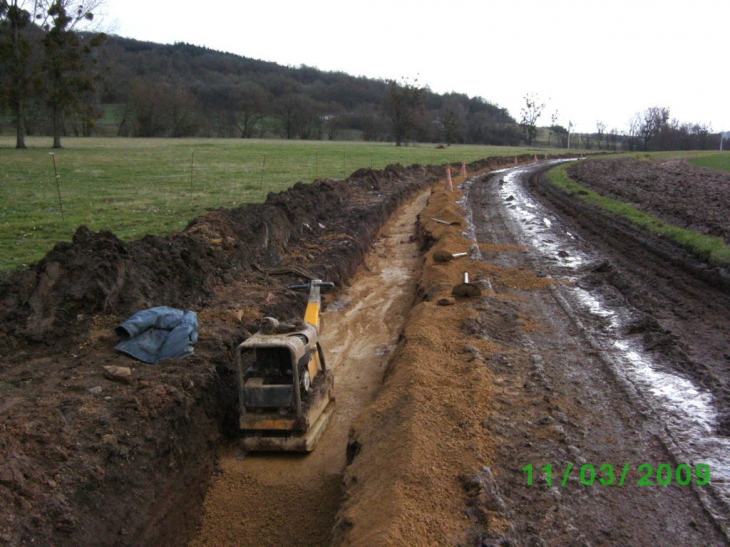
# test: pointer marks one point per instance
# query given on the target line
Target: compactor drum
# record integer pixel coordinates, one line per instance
(285, 391)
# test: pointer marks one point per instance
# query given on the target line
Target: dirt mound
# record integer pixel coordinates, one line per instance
(97, 272)
(94, 461)
(690, 197)
(91, 460)
(414, 452)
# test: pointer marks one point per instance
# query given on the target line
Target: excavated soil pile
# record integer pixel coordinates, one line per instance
(690, 197)
(92, 457)
(419, 456)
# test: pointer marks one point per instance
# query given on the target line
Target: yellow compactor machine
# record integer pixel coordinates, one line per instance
(285, 390)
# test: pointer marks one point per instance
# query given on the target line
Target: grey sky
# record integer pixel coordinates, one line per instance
(590, 61)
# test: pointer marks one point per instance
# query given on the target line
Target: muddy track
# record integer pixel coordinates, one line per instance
(689, 300)
(563, 399)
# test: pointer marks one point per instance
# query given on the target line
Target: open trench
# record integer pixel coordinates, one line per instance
(446, 441)
(292, 499)
(477, 389)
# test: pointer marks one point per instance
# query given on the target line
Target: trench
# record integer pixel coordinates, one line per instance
(292, 499)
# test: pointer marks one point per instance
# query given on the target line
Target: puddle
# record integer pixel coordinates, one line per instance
(542, 230)
(685, 410)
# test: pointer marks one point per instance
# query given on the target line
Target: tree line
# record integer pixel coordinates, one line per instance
(58, 77)
(652, 130)
(184, 90)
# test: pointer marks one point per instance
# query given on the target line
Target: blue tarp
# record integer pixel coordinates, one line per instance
(158, 333)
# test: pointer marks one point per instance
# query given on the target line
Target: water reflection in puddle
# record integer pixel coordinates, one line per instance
(685, 410)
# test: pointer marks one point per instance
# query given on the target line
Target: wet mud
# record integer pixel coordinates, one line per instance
(90, 460)
(557, 374)
(584, 348)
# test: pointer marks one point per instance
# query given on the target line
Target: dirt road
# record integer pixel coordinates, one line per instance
(581, 388)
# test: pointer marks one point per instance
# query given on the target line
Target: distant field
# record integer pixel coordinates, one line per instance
(135, 187)
(719, 161)
(712, 249)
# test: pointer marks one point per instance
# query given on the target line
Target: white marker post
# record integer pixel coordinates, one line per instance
(724, 136)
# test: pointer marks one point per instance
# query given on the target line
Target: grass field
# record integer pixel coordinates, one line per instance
(135, 187)
(718, 160)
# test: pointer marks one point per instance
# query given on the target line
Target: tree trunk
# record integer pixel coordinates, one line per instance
(20, 125)
(56, 128)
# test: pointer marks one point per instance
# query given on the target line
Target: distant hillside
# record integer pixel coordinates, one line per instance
(155, 90)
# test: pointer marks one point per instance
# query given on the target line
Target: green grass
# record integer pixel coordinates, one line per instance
(719, 161)
(135, 187)
(708, 248)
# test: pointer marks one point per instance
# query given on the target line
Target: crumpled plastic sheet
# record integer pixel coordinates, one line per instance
(158, 333)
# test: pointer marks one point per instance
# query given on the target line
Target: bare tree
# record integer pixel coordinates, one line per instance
(403, 105)
(553, 123)
(453, 120)
(15, 66)
(158, 107)
(65, 64)
(612, 139)
(655, 119)
(529, 115)
(251, 102)
(632, 136)
(600, 133)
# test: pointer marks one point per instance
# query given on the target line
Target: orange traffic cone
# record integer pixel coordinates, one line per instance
(449, 183)
(463, 169)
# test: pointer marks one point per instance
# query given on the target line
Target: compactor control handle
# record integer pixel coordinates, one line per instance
(323, 285)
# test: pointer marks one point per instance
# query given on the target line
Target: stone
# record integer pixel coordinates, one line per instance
(118, 374)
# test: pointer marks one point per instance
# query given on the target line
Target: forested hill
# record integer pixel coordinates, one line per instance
(155, 90)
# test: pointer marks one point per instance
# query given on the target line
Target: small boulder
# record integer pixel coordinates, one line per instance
(118, 374)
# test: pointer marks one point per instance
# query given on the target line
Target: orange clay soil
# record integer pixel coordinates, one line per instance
(414, 453)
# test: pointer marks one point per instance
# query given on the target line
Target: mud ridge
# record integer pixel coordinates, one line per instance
(92, 461)
(415, 454)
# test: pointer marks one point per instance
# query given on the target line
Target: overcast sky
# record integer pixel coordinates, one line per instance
(589, 61)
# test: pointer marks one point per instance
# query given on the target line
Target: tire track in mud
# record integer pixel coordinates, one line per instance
(559, 403)
(285, 499)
